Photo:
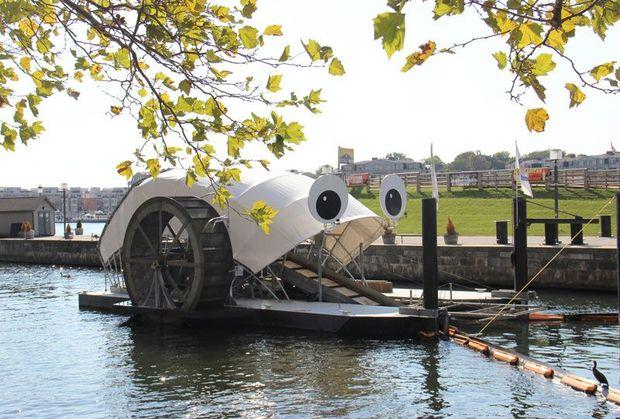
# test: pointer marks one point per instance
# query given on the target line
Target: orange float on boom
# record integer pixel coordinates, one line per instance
(579, 384)
(478, 346)
(538, 369)
(505, 357)
(613, 396)
(545, 317)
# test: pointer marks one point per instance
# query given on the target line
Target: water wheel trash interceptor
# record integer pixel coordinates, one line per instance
(173, 251)
(175, 257)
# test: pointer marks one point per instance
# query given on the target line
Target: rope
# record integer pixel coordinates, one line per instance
(529, 201)
(540, 271)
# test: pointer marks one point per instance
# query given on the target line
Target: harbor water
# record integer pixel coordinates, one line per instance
(57, 361)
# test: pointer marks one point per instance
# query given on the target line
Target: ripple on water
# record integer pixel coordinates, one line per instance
(63, 362)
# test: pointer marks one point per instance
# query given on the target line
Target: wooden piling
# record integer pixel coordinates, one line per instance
(429, 252)
(519, 217)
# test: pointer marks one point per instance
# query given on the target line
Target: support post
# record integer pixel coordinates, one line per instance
(429, 252)
(519, 217)
(618, 248)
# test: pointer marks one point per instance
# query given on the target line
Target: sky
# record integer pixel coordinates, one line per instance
(459, 102)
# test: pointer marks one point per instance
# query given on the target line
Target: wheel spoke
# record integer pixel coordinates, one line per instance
(181, 263)
(146, 238)
(177, 236)
(142, 260)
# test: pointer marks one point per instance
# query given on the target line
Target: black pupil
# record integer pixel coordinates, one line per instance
(393, 202)
(328, 205)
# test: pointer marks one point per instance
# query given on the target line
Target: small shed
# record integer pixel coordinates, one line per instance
(38, 211)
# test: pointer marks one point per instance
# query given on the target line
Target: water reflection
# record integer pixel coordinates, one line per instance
(63, 362)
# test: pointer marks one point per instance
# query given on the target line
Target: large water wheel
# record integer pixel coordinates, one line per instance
(174, 257)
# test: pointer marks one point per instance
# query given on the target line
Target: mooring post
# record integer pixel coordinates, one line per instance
(429, 252)
(519, 217)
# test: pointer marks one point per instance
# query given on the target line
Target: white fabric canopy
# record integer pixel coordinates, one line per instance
(285, 192)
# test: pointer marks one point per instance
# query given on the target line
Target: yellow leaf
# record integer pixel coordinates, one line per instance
(576, 95)
(529, 33)
(153, 166)
(418, 57)
(536, 118)
(24, 62)
(273, 30)
(602, 70)
(501, 59)
(543, 64)
(78, 75)
(273, 83)
(336, 68)
(249, 37)
(124, 169)
(142, 92)
(116, 110)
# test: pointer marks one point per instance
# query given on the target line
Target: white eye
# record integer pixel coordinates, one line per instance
(328, 198)
(393, 196)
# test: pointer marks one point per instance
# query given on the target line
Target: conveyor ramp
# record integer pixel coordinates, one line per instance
(302, 273)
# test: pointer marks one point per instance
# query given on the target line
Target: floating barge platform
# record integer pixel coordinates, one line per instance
(346, 319)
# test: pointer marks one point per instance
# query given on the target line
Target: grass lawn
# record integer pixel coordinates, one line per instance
(474, 211)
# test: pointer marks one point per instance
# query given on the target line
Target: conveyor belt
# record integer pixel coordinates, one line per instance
(337, 288)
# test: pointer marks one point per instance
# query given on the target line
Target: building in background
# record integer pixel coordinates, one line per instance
(325, 169)
(82, 203)
(37, 210)
(378, 166)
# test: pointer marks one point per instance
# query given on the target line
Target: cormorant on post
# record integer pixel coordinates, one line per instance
(599, 376)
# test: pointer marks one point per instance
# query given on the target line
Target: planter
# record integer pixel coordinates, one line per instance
(29, 234)
(69, 236)
(79, 231)
(389, 238)
(451, 239)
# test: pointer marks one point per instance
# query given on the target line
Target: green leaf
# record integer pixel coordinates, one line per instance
(535, 119)
(285, 53)
(249, 37)
(390, 28)
(602, 70)
(448, 7)
(543, 64)
(501, 58)
(336, 68)
(249, 7)
(262, 214)
(122, 58)
(576, 95)
(185, 86)
(273, 83)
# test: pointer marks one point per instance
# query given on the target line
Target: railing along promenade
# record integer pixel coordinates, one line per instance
(569, 178)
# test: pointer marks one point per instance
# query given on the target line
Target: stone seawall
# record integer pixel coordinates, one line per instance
(577, 268)
(50, 251)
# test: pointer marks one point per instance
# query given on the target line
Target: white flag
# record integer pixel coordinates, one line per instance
(522, 174)
(435, 193)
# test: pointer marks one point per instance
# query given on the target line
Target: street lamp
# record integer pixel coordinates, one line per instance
(555, 155)
(63, 188)
(40, 189)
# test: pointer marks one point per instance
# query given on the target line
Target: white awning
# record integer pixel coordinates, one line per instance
(285, 192)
